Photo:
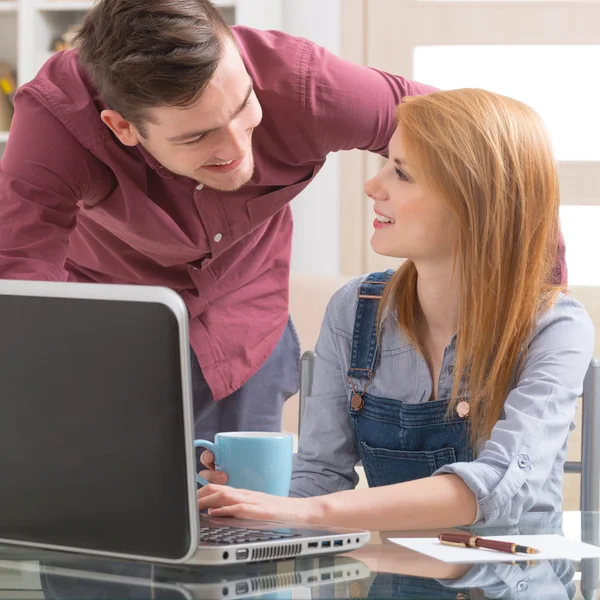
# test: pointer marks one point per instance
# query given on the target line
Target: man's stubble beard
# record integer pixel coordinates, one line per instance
(196, 178)
(234, 188)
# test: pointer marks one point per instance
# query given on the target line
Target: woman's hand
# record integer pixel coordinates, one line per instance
(208, 460)
(224, 501)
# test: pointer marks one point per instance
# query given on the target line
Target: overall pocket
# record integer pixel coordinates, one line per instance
(386, 467)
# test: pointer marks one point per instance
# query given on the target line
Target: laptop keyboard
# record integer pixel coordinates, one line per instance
(240, 535)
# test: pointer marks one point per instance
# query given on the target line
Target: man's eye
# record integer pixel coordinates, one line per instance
(194, 141)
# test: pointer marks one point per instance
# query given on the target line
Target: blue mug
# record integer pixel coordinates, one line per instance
(253, 460)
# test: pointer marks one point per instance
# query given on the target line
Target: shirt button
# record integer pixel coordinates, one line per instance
(522, 586)
(218, 237)
(199, 187)
(523, 461)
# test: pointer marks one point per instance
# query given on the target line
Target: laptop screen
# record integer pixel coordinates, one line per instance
(92, 440)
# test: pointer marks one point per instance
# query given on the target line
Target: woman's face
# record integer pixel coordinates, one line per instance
(410, 221)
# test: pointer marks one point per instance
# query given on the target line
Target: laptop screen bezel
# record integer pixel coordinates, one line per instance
(127, 293)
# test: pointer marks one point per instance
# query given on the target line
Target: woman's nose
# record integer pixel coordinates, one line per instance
(374, 190)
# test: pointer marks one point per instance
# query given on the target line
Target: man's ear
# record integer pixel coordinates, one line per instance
(125, 131)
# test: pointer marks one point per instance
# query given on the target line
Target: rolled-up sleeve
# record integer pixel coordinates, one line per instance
(514, 465)
(326, 452)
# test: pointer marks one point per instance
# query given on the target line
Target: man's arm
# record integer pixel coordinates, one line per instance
(349, 106)
(43, 174)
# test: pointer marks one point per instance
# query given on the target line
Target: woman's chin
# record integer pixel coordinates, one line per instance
(383, 249)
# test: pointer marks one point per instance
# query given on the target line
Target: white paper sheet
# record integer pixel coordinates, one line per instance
(549, 546)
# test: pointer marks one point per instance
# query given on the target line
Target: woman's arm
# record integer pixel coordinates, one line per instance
(429, 503)
(421, 504)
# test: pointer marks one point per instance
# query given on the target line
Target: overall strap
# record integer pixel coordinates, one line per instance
(365, 351)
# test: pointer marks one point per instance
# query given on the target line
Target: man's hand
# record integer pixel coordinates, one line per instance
(224, 501)
(208, 460)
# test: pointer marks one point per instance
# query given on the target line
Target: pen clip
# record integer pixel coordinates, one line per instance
(459, 544)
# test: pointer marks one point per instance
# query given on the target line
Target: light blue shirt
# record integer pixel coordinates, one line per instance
(519, 469)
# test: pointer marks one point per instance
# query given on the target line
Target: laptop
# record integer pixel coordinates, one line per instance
(96, 434)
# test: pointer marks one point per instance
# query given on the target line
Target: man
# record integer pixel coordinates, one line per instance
(166, 152)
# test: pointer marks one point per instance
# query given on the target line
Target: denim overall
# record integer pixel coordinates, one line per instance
(412, 587)
(397, 441)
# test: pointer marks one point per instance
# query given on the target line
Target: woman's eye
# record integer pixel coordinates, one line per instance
(401, 175)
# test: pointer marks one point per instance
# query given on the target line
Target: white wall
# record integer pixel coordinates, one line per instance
(260, 14)
(316, 243)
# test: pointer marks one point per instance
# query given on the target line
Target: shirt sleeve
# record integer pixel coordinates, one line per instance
(515, 463)
(42, 175)
(348, 106)
(326, 451)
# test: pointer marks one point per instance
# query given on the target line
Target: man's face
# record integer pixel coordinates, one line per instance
(210, 141)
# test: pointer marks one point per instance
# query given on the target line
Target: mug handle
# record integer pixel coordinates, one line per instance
(209, 446)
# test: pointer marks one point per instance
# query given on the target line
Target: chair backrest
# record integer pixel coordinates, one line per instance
(307, 370)
(588, 466)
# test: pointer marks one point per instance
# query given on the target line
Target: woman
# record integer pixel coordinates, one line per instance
(455, 378)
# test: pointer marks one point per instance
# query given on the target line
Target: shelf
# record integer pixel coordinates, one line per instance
(3, 137)
(63, 6)
(8, 7)
(83, 5)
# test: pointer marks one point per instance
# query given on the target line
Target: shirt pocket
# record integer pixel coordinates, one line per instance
(263, 207)
(387, 467)
(135, 220)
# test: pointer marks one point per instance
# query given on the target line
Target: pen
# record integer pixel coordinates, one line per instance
(466, 540)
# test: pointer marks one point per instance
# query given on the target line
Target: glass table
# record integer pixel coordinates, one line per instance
(381, 569)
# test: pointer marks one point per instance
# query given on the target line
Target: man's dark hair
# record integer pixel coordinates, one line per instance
(146, 53)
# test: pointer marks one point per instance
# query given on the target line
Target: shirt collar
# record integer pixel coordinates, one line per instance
(153, 163)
